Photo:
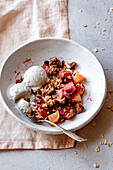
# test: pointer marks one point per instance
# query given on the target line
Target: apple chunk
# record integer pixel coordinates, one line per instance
(54, 117)
(78, 78)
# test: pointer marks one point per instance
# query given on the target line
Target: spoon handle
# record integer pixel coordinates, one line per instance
(67, 132)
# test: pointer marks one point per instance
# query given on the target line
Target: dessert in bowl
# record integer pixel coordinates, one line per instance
(31, 56)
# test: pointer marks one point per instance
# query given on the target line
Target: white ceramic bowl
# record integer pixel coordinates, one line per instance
(41, 50)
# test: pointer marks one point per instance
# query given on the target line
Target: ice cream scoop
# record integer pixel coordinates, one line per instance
(24, 106)
(18, 91)
(35, 76)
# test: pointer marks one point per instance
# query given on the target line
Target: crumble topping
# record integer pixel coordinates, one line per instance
(96, 165)
(97, 149)
(60, 98)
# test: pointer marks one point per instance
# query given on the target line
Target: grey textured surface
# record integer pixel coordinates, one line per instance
(93, 11)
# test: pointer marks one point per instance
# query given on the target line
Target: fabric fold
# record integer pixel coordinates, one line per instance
(20, 22)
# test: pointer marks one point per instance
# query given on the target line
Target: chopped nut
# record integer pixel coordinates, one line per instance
(111, 91)
(84, 25)
(95, 50)
(105, 19)
(109, 106)
(104, 142)
(111, 9)
(94, 26)
(102, 136)
(85, 146)
(102, 49)
(75, 152)
(97, 149)
(96, 165)
(94, 124)
(72, 65)
(98, 23)
(103, 30)
(109, 143)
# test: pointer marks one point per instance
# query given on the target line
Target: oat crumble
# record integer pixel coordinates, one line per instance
(109, 143)
(84, 25)
(96, 165)
(75, 152)
(85, 146)
(97, 149)
(104, 142)
(95, 50)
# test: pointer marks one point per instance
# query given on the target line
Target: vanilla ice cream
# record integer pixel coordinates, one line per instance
(18, 91)
(34, 77)
(24, 106)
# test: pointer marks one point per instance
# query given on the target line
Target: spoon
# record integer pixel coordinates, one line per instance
(67, 132)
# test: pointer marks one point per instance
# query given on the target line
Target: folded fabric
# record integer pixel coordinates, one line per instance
(22, 21)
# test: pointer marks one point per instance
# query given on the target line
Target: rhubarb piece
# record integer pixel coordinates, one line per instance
(54, 117)
(68, 89)
(45, 67)
(65, 74)
(59, 96)
(68, 112)
(78, 78)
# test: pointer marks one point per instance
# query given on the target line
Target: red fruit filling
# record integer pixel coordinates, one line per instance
(45, 67)
(65, 74)
(68, 89)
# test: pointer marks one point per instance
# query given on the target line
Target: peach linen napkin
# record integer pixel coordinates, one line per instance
(22, 21)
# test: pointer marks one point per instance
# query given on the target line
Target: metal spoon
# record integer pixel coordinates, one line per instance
(67, 132)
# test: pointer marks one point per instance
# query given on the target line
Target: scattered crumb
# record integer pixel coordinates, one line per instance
(97, 149)
(75, 152)
(96, 165)
(102, 136)
(109, 106)
(112, 108)
(102, 49)
(106, 69)
(104, 142)
(111, 91)
(109, 143)
(94, 26)
(98, 23)
(94, 124)
(111, 9)
(95, 50)
(110, 16)
(84, 25)
(85, 146)
(103, 34)
(105, 19)
(103, 30)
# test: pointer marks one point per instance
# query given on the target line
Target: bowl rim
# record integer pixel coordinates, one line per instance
(55, 131)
